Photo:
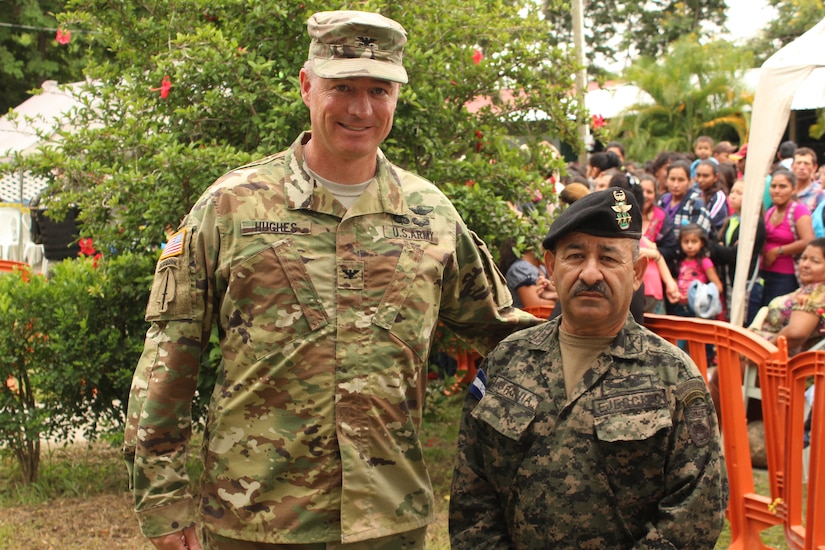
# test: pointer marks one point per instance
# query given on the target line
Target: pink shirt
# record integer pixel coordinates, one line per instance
(692, 270)
(782, 235)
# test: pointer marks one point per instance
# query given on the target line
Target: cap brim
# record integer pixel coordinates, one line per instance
(359, 67)
(734, 156)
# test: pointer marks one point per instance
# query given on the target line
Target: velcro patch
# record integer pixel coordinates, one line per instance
(252, 227)
(409, 233)
(638, 401)
(697, 417)
(174, 247)
(515, 393)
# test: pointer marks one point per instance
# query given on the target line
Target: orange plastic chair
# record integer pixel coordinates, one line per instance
(748, 512)
(542, 312)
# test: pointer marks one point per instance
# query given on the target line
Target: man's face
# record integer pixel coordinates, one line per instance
(595, 278)
(350, 116)
(803, 168)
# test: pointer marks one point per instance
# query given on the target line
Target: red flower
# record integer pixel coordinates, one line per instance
(165, 86)
(598, 121)
(479, 143)
(62, 37)
(477, 57)
(87, 247)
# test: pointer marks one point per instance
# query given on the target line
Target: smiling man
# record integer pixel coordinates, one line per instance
(326, 270)
(589, 431)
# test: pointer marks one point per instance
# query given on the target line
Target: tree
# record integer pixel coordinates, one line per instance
(793, 18)
(30, 53)
(196, 87)
(695, 89)
(631, 28)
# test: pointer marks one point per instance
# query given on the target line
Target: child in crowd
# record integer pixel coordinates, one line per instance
(694, 265)
(707, 180)
(703, 149)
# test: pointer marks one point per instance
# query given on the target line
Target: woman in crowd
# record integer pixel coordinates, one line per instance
(658, 280)
(788, 231)
(798, 315)
(682, 204)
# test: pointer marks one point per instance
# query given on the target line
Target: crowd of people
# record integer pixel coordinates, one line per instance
(691, 205)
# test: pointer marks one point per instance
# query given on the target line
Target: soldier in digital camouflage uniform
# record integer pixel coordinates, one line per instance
(327, 270)
(589, 431)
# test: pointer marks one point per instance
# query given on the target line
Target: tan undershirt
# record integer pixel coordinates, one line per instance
(346, 194)
(577, 354)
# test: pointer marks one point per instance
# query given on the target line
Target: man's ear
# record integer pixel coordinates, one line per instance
(305, 86)
(549, 262)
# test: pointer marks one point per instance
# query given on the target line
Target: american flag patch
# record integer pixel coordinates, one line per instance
(175, 245)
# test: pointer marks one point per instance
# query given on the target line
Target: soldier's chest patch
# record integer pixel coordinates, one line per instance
(417, 233)
(629, 394)
(255, 227)
(351, 275)
(515, 393)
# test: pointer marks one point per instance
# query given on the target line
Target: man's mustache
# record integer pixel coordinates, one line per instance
(599, 287)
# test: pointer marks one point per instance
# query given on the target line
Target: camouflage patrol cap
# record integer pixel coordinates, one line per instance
(610, 213)
(348, 44)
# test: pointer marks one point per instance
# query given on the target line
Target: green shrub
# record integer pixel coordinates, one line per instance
(68, 347)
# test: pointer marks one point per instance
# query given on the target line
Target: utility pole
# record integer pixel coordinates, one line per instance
(581, 75)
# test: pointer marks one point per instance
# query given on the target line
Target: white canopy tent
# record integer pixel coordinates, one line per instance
(780, 78)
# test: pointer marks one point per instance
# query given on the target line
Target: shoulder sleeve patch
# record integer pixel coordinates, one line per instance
(170, 298)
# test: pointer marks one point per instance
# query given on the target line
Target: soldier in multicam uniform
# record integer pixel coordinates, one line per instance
(326, 269)
(589, 431)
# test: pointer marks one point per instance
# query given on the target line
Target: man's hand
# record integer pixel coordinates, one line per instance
(182, 540)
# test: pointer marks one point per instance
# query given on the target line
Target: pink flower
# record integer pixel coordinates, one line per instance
(477, 57)
(63, 37)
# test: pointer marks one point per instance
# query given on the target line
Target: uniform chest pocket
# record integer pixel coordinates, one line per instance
(271, 300)
(410, 302)
(508, 409)
(634, 447)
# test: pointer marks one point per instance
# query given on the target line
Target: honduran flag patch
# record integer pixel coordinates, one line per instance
(479, 386)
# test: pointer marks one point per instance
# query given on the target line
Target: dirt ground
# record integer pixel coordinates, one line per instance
(102, 523)
(105, 522)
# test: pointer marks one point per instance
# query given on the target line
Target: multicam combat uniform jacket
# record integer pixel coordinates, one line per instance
(631, 460)
(325, 319)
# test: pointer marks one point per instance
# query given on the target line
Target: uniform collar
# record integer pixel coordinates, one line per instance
(628, 343)
(385, 195)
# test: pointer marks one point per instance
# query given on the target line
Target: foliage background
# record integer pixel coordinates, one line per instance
(135, 160)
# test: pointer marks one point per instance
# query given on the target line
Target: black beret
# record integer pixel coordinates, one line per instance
(609, 213)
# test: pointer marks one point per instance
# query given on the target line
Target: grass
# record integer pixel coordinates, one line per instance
(81, 500)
